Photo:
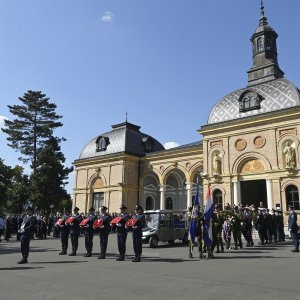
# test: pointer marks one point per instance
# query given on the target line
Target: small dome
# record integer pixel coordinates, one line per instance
(124, 137)
(277, 94)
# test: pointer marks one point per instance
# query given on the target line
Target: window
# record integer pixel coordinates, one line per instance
(260, 46)
(269, 43)
(102, 143)
(148, 144)
(218, 197)
(165, 220)
(149, 203)
(98, 200)
(292, 196)
(249, 100)
(169, 203)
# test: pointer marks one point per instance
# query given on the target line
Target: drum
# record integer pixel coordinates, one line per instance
(131, 222)
(60, 222)
(70, 220)
(98, 223)
(84, 222)
(116, 220)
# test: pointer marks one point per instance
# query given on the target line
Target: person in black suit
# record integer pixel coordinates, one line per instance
(122, 233)
(104, 231)
(89, 232)
(75, 230)
(26, 231)
(64, 234)
(293, 228)
(137, 233)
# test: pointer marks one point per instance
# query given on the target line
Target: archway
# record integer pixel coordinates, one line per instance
(254, 192)
(292, 196)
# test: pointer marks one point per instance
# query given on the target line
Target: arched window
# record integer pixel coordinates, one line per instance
(149, 203)
(218, 197)
(292, 196)
(98, 200)
(169, 203)
(260, 46)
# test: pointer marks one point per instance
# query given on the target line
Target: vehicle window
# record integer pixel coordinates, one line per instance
(151, 220)
(178, 220)
(165, 220)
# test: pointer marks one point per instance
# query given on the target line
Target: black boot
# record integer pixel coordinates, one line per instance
(135, 258)
(23, 261)
(138, 258)
(63, 252)
(101, 256)
(72, 254)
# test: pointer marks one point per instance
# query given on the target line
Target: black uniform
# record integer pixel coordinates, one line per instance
(122, 236)
(137, 234)
(103, 234)
(26, 231)
(75, 232)
(89, 235)
(293, 229)
(64, 236)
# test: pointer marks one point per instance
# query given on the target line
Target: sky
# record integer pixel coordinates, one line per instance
(164, 62)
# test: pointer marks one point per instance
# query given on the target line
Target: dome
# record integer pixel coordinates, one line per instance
(124, 137)
(276, 95)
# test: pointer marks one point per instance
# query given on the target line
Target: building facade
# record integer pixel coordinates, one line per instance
(249, 153)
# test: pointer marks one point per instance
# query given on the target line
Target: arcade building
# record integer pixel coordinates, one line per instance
(249, 152)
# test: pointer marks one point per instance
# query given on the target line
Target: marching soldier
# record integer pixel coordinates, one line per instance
(75, 230)
(280, 226)
(247, 228)
(26, 231)
(64, 234)
(89, 233)
(104, 231)
(122, 233)
(137, 233)
(218, 222)
(236, 228)
(261, 225)
(293, 228)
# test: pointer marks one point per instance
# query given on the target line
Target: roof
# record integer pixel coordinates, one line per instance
(277, 95)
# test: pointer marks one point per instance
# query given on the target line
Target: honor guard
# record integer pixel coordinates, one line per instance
(137, 233)
(293, 228)
(219, 220)
(64, 234)
(104, 231)
(75, 230)
(89, 232)
(26, 231)
(122, 233)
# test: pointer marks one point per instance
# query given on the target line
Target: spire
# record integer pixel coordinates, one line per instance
(263, 20)
(126, 117)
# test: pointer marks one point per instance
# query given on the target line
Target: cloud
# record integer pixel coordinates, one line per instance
(2, 118)
(170, 145)
(108, 17)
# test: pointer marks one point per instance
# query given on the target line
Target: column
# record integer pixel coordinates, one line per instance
(189, 201)
(162, 197)
(236, 192)
(269, 193)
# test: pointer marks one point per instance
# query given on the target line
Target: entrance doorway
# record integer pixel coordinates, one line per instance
(254, 192)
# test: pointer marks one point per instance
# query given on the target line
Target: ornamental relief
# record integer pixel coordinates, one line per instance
(259, 142)
(252, 166)
(240, 144)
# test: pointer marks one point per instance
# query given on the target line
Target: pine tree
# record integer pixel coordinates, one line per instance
(5, 183)
(35, 122)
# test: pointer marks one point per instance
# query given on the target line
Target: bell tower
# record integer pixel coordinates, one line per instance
(264, 53)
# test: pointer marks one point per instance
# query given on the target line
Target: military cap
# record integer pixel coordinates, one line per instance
(92, 209)
(76, 208)
(138, 207)
(103, 207)
(123, 207)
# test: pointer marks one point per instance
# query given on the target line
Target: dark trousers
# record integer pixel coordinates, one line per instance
(295, 239)
(103, 242)
(25, 247)
(237, 237)
(74, 241)
(88, 242)
(137, 245)
(122, 243)
(64, 241)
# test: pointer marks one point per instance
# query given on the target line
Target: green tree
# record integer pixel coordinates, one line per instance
(35, 122)
(5, 183)
(49, 180)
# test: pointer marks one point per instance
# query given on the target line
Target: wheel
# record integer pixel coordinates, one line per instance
(171, 241)
(185, 239)
(153, 242)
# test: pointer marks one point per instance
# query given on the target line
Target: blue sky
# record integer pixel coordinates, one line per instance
(165, 62)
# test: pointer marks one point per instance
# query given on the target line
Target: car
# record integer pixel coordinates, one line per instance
(164, 226)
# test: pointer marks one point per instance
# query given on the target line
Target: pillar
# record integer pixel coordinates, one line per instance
(189, 201)
(236, 192)
(269, 193)
(162, 197)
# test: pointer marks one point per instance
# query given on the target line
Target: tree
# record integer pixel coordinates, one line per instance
(5, 183)
(50, 178)
(35, 122)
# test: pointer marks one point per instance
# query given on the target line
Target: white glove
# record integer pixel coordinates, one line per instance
(134, 227)
(102, 226)
(119, 225)
(87, 225)
(71, 224)
(289, 229)
(61, 225)
(22, 230)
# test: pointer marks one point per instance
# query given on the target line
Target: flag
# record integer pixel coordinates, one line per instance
(208, 213)
(194, 217)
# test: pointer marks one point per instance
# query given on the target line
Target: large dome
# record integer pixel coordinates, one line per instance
(277, 95)
(124, 137)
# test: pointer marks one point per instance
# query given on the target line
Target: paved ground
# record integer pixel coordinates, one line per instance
(268, 272)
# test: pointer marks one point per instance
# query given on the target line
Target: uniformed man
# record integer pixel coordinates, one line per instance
(261, 225)
(293, 228)
(280, 226)
(75, 230)
(26, 231)
(137, 233)
(89, 232)
(218, 226)
(122, 233)
(64, 234)
(247, 227)
(236, 228)
(104, 231)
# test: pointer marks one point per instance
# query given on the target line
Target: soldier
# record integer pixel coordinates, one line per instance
(104, 231)
(75, 230)
(64, 234)
(89, 233)
(218, 223)
(272, 226)
(261, 225)
(235, 225)
(26, 231)
(280, 226)
(137, 233)
(293, 228)
(247, 227)
(122, 233)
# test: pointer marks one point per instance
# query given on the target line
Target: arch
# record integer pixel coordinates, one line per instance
(259, 45)
(217, 197)
(242, 159)
(94, 178)
(174, 169)
(292, 196)
(197, 168)
(169, 203)
(149, 203)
